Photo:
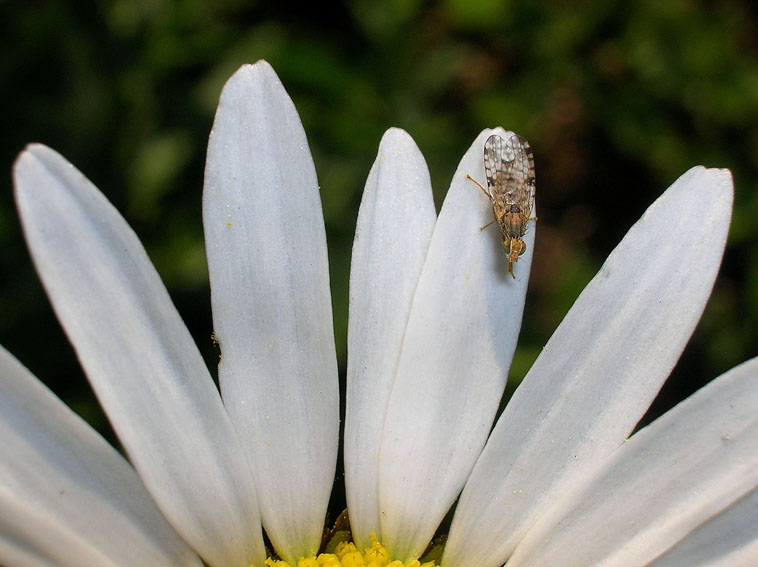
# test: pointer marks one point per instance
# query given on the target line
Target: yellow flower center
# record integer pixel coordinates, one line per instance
(345, 554)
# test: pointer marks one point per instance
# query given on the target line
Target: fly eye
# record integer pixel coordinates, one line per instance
(507, 245)
(523, 248)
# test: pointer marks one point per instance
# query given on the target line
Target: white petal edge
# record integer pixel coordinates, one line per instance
(600, 370)
(459, 343)
(272, 311)
(32, 539)
(688, 466)
(140, 359)
(67, 495)
(395, 224)
(729, 539)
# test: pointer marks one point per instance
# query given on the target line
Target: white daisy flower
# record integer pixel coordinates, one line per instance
(434, 320)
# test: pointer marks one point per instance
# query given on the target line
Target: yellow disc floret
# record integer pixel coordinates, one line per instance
(346, 554)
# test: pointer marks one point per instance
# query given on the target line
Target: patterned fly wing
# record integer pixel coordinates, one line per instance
(509, 167)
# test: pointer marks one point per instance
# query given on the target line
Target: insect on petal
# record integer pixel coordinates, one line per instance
(509, 169)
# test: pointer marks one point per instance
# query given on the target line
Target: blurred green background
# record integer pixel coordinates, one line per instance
(617, 99)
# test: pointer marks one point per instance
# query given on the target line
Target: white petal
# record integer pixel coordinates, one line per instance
(271, 304)
(600, 370)
(659, 487)
(30, 538)
(729, 539)
(65, 493)
(392, 234)
(140, 359)
(457, 350)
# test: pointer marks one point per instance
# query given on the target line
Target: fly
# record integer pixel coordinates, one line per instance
(509, 168)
